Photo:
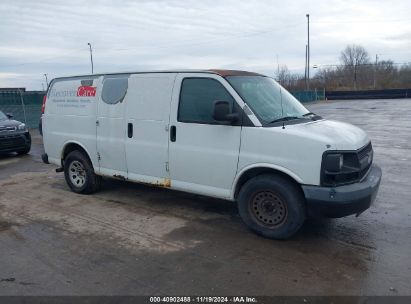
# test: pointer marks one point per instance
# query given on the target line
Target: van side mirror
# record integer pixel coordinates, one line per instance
(222, 112)
(9, 115)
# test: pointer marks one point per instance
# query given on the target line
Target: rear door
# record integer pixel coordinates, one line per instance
(147, 114)
(203, 153)
(111, 126)
(70, 116)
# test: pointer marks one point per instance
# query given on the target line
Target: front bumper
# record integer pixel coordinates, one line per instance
(343, 200)
(14, 142)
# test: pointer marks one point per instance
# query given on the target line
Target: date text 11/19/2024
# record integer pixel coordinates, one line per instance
(203, 299)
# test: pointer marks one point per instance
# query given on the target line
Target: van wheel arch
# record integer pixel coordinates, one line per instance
(70, 147)
(254, 172)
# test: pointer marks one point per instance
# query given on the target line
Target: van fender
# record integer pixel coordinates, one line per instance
(69, 142)
(240, 173)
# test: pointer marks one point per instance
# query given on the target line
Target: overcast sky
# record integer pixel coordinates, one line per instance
(51, 36)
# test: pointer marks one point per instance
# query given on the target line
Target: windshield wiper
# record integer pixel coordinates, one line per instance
(285, 118)
(309, 113)
(313, 116)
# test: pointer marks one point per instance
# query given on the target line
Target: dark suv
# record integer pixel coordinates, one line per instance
(14, 135)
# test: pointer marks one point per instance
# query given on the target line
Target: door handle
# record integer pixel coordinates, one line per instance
(173, 133)
(130, 130)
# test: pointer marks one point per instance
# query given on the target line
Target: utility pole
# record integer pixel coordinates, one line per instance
(308, 51)
(305, 70)
(91, 58)
(375, 71)
(47, 82)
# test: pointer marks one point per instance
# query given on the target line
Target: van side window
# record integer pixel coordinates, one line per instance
(114, 89)
(197, 99)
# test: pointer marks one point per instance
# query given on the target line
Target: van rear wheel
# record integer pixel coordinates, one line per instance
(79, 173)
(272, 206)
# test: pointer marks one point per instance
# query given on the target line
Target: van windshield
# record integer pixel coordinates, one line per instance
(268, 100)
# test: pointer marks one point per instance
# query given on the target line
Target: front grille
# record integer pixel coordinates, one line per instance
(365, 157)
(357, 165)
(363, 152)
(7, 129)
(11, 141)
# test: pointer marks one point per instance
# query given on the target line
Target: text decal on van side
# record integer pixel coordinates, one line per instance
(84, 91)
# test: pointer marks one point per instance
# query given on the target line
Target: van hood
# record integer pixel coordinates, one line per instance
(335, 134)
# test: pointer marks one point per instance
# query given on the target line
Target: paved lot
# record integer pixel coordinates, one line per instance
(131, 239)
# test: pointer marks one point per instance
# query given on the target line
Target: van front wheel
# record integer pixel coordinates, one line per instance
(79, 173)
(272, 206)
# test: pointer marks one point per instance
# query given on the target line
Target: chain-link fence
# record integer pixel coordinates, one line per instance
(25, 106)
(309, 96)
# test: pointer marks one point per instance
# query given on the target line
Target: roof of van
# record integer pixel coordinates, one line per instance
(220, 72)
(224, 73)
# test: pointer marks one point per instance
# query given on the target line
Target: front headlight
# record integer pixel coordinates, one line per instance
(339, 168)
(334, 162)
(22, 127)
(345, 167)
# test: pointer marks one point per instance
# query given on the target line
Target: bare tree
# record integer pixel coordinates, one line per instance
(356, 71)
(283, 75)
(404, 76)
(386, 74)
(289, 80)
(353, 57)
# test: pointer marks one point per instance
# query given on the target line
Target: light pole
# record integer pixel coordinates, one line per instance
(308, 51)
(47, 82)
(305, 68)
(91, 58)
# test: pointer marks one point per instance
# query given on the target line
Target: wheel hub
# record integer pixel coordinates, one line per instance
(268, 208)
(77, 173)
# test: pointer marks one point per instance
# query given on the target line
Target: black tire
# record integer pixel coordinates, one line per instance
(24, 151)
(89, 182)
(272, 206)
(41, 125)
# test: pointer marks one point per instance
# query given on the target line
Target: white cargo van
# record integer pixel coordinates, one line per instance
(227, 134)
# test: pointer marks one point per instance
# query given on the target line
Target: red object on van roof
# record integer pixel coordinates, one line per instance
(225, 73)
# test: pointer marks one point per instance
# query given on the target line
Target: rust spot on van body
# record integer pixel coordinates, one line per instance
(167, 182)
(163, 183)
